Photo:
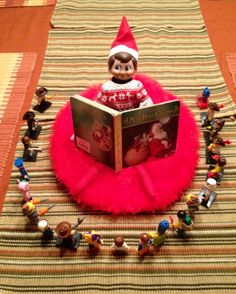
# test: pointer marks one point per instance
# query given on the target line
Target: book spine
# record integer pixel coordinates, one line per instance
(118, 142)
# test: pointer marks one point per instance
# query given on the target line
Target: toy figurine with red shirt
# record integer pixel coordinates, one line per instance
(123, 92)
(202, 100)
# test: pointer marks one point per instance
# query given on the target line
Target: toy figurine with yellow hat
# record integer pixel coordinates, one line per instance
(29, 210)
(93, 239)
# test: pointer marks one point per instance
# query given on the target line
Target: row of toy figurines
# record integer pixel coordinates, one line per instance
(68, 236)
(212, 136)
(34, 128)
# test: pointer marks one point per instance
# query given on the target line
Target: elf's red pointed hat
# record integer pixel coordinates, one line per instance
(124, 41)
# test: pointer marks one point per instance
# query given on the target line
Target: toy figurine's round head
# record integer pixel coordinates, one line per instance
(43, 225)
(181, 214)
(23, 185)
(28, 115)
(122, 65)
(63, 229)
(18, 162)
(41, 92)
(192, 199)
(119, 241)
(221, 162)
(211, 183)
(28, 207)
(25, 140)
(144, 238)
(162, 227)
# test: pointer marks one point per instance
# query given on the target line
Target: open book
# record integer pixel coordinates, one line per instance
(123, 139)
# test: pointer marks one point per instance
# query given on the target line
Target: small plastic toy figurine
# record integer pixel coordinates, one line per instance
(30, 152)
(23, 187)
(216, 127)
(207, 193)
(183, 224)
(43, 104)
(144, 246)
(214, 148)
(119, 247)
(212, 131)
(34, 128)
(193, 203)
(29, 210)
(123, 92)
(217, 171)
(43, 226)
(67, 235)
(207, 118)
(94, 240)
(19, 163)
(158, 237)
(202, 100)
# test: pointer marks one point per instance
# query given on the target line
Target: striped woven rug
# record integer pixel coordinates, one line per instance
(15, 72)
(16, 3)
(175, 50)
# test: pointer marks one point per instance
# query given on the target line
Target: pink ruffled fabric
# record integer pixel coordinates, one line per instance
(148, 187)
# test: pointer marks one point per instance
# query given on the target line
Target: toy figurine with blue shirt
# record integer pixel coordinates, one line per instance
(144, 246)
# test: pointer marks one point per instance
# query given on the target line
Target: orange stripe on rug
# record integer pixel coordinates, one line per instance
(16, 3)
(16, 71)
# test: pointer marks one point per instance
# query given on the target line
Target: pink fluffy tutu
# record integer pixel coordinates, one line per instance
(147, 187)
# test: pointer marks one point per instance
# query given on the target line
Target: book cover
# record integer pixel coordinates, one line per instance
(97, 130)
(122, 139)
(149, 132)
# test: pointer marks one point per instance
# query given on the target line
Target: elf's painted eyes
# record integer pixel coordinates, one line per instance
(127, 68)
(117, 67)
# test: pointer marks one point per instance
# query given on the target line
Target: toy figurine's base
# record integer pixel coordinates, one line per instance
(42, 107)
(72, 244)
(30, 156)
(35, 134)
(147, 187)
(207, 202)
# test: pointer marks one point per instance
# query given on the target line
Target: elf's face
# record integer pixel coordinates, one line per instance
(122, 71)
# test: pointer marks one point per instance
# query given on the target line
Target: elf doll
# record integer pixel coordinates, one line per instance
(123, 92)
